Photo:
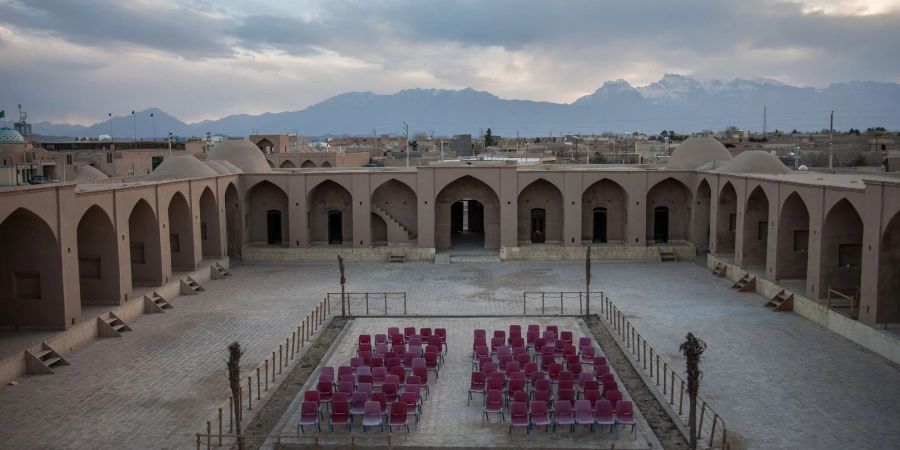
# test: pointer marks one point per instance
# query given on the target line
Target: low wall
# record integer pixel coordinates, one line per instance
(84, 332)
(254, 254)
(683, 251)
(877, 341)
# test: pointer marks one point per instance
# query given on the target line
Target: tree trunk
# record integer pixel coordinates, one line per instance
(587, 282)
(691, 349)
(234, 381)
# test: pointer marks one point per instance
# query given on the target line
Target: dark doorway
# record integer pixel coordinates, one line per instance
(273, 225)
(538, 226)
(335, 228)
(661, 224)
(599, 234)
(467, 224)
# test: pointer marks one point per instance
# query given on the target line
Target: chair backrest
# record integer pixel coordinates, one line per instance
(554, 329)
(309, 409)
(381, 398)
(478, 379)
(389, 389)
(566, 384)
(398, 410)
(480, 333)
(566, 394)
(566, 336)
(563, 409)
(410, 398)
(593, 396)
(588, 351)
(422, 373)
(600, 370)
(365, 339)
(494, 397)
(607, 377)
(359, 398)
(431, 353)
(345, 386)
(553, 370)
(397, 339)
(312, 396)
(324, 387)
(584, 341)
(344, 370)
(566, 375)
(515, 330)
(442, 332)
(364, 370)
(413, 379)
(409, 331)
(415, 340)
(538, 408)
(600, 361)
(603, 407)
(364, 387)
(582, 407)
(543, 396)
(534, 327)
(425, 332)
(381, 348)
(518, 409)
(340, 409)
(516, 385)
(495, 383)
(378, 373)
(381, 338)
(347, 378)
(500, 334)
(623, 407)
(373, 409)
(393, 330)
(399, 372)
(418, 362)
(340, 397)
(612, 396)
(520, 396)
(542, 385)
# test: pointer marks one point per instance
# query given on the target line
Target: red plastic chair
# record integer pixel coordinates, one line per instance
(309, 415)
(603, 414)
(381, 338)
(514, 387)
(584, 342)
(313, 396)
(409, 331)
(425, 333)
(381, 398)
(442, 332)
(600, 370)
(554, 329)
(565, 395)
(530, 337)
(625, 415)
(364, 339)
(613, 396)
(398, 416)
(390, 391)
(564, 416)
(515, 330)
(493, 404)
(565, 384)
(518, 416)
(583, 414)
(544, 396)
(372, 415)
(600, 361)
(422, 373)
(477, 384)
(378, 376)
(540, 414)
(397, 339)
(376, 361)
(566, 336)
(588, 355)
(364, 387)
(411, 401)
(340, 415)
(431, 363)
(541, 385)
(553, 371)
(358, 403)
(592, 396)
(325, 391)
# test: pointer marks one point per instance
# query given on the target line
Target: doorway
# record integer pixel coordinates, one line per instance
(661, 224)
(467, 224)
(599, 235)
(335, 228)
(538, 226)
(273, 227)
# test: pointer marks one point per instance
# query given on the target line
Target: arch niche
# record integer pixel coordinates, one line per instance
(540, 213)
(330, 214)
(792, 251)
(395, 204)
(146, 256)
(98, 258)
(210, 236)
(841, 256)
(726, 220)
(233, 221)
(181, 234)
(756, 229)
(288, 164)
(267, 207)
(888, 296)
(467, 215)
(603, 212)
(702, 203)
(668, 211)
(307, 164)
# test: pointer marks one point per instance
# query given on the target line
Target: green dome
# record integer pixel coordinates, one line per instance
(10, 136)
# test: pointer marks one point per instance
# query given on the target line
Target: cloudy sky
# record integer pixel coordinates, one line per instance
(74, 61)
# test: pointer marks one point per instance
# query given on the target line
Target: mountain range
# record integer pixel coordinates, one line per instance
(674, 102)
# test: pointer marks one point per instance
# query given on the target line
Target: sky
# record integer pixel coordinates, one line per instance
(76, 61)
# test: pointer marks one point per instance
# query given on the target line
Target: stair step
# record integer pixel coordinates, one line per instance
(118, 327)
(41, 354)
(51, 361)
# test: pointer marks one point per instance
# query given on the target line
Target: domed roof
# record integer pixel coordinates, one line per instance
(218, 167)
(696, 151)
(180, 167)
(10, 136)
(228, 165)
(242, 153)
(755, 161)
(86, 172)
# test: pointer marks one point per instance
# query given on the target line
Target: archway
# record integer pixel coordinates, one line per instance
(98, 259)
(265, 145)
(540, 213)
(396, 205)
(307, 164)
(288, 164)
(702, 202)
(181, 234)
(233, 221)
(603, 212)
(726, 220)
(791, 254)
(330, 214)
(467, 213)
(326, 164)
(888, 297)
(143, 234)
(379, 231)
(756, 229)
(264, 200)
(31, 285)
(675, 198)
(841, 255)
(270, 163)
(210, 237)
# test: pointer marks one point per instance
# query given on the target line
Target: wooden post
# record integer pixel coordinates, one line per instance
(287, 343)
(267, 375)
(257, 384)
(293, 344)
(681, 398)
(672, 389)
(404, 303)
(198, 441)
(542, 303)
(208, 434)
(561, 310)
(230, 414)
(280, 359)
(273, 366)
(712, 433)
(524, 308)
(724, 437)
(385, 304)
(302, 328)
(250, 393)
(220, 427)
(367, 303)
(657, 371)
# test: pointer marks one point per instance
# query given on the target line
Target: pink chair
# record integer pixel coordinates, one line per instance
(538, 345)
(540, 414)
(625, 416)
(340, 415)
(518, 416)
(565, 395)
(372, 415)
(566, 336)
(381, 398)
(344, 370)
(530, 337)
(544, 396)
(565, 384)
(553, 371)
(541, 385)
(409, 331)
(592, 396)
(364, 387)
(392, 331)
(411, 403)
(500, 334)
(603, 414)
(496, 343)
(515, 330)
(442, 332)
(339, 397)
(422, 373)
(345, 387)
(583, 414)
(398, 416)
(399, 372)
(583, 342)
(376, 362)
(613, 396)
(358, 403)
(588, 354)
(547, 361)
(553, 329)
(493, 404)
(313, 396)
(364, 339)
(515, 386)
(381, 338)
(325, 391)
(378, 376)
(397, 339)
(600, 361)
(564, 416)
(390, 392)
(477, 384)
(382, 348)
(600, 370)
(431, 363)
(425, 333)
(309, 415)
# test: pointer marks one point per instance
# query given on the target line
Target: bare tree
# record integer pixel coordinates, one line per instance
(343, 280)
(587, 282)
(234, 380)
(691, 349)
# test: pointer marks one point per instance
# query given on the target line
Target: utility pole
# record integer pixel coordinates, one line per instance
(170, 144)
(796, 152)
(111, 135)
(831, 142)
(406, 132)
(153, 118)
(764, 122)
(517, 142)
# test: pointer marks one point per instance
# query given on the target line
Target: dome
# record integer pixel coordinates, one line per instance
(218, 167)
(696, 151)
(228, 165)
(242, 153)
(755, 161)
(180, 167)
(10, 136)
(86, 172)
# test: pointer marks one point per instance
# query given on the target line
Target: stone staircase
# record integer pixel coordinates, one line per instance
(218, 272)
(190, 287)
(111, 326)
(155, 303)
(782, 301)
(747, 283)
(667, 254)
(719, 270)
(396, 231)
(43, 361)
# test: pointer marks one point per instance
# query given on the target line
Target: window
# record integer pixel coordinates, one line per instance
(762, 231)
(849, 255)
(801, 240)
(69, 160)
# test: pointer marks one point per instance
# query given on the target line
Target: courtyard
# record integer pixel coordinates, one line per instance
(777, 379)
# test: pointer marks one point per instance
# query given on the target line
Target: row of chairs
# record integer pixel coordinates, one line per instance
(537, 413)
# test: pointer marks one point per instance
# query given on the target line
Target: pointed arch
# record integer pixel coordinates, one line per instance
(267, 208)
(540, 213)
(702, 211)
(144, 246)
(397, 205)
(726, 220)
(181, 234)
(841, 253)
(330, 210)
(326, 164)
(888, 294)
(792, 251)
(98, 258)
(668, 211)
(308, 164)
(756, 229)
(288, 164)
(210, 236)
(31, 284)
(467, 200)
(604, 206)
(234, 230)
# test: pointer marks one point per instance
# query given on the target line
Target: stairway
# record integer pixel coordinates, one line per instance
(111, 326)
(667, 254)
(396, 231)
(190, 287)
(400, 258)
(218, 272)
(720, 270)
(782, 301)
(747, 283)
(43, 361)
(154, 303)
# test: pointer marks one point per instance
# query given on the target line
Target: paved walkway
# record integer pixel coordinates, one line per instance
(779, 380)
(446, 419)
